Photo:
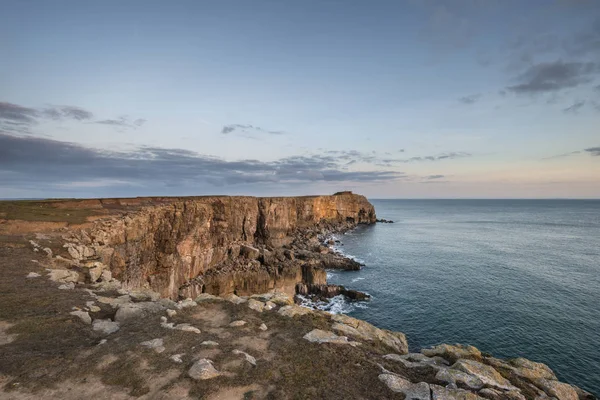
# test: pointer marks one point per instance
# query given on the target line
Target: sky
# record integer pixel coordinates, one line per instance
(390, 99)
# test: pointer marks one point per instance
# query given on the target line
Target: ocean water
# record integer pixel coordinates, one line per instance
(511, 277)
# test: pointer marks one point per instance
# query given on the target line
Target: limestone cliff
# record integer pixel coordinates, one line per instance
(218, 245)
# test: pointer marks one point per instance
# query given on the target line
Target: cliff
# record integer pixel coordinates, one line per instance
(79, 283)
(181, 247)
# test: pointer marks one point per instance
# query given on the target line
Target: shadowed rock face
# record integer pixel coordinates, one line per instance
(218, 245)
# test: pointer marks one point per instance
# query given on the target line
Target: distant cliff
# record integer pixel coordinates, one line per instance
(219, 245)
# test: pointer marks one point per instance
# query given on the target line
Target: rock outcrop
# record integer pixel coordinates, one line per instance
(182, 247)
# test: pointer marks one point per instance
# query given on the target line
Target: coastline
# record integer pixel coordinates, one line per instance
(445, 371)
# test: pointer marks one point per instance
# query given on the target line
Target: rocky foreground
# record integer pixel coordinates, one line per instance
(100, 309)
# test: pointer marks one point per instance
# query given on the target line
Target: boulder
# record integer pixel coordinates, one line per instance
(203, 369)
(67, 286)
(82, 315)
(363, 330)
(63, 275)
(206, 297)
(154, 344)
(411, 391)
(256, 305)
(176, 358)
(232, 298)
(453, 352)
(105, 326)
(129, 311)
(561, 391)
(459, 378)
(114, 301)
(144, 295)
(293, 310)
(93, 271)
(33, 275)
(247, 356)
(282, 299)
(238, 323)
(185, 304)
(209, 343)
(442, 393)
(263, 327)
(488, 375)
(321, 336)
(106, 276)
(531, 370)
(187, 328)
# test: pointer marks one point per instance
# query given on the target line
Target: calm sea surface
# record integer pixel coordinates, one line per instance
(511, 277)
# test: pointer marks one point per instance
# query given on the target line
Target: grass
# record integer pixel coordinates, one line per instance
(42, 211)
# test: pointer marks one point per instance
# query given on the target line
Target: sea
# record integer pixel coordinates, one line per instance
(515, 278)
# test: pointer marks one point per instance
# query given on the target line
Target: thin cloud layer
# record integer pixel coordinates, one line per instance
(438, 157)
(575, 107)
(15, 118)
(554, 76)
(594, 151)
(122, 122)
(231, 128)
(38, 162)
(471, 99)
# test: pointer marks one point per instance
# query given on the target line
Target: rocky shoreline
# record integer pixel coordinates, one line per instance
(112, 297)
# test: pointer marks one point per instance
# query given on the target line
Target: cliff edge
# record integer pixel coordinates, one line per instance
(192, 298)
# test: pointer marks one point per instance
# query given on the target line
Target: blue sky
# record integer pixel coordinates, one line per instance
(446, 99)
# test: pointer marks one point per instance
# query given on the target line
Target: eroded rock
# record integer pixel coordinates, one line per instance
(488, 375)
(82, 315)
(129, 311)
(105, 326)
(207, 297)
(256, 305)
(412, 391)
(453, 352)
(363, 330)
(442, 393)
(293, 310)
(155, 344)
(247, 356)
(203, 369)
(561, 391)
(459, 378)
(321, 336)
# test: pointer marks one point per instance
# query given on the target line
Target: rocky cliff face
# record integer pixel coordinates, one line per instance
(219, 245)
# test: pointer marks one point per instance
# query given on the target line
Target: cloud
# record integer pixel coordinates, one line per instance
(15, 118)
(16, 113)
(471, 99)
(33, 162)
(438, 157)
(122, 122)
(574, 108)
(554, 76)
(75, 113)
(247, 128)
(562, 155)
(430, 177)
(594, 151)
